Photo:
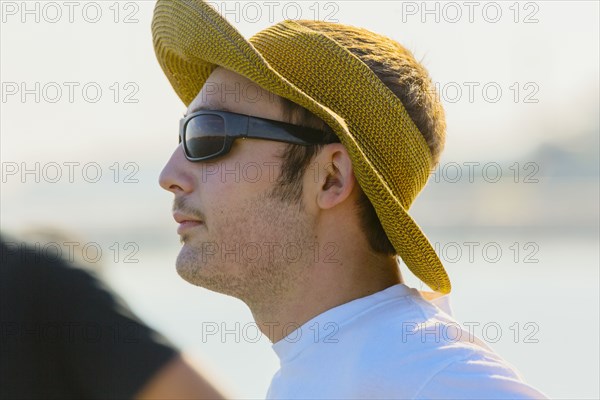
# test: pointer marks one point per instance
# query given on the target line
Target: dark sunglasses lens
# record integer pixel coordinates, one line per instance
(204, 136)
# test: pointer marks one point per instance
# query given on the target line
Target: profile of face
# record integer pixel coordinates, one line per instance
(243, 240)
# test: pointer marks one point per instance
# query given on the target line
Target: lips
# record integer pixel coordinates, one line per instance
(181, 218)
(186, 222)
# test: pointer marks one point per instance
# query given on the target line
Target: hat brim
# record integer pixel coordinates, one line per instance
(191, 39)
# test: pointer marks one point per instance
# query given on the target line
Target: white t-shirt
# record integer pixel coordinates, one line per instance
(393, 344)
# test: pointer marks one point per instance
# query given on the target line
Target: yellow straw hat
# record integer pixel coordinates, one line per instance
(295, 60)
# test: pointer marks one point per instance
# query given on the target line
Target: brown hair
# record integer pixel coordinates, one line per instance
(405, 77)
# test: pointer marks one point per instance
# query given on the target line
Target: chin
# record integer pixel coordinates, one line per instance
(194, 267)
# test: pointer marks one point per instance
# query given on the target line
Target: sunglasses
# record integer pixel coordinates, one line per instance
(210, 134)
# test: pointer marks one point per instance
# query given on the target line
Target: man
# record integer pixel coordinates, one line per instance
(342, 130)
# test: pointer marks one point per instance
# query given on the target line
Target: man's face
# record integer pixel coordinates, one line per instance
(248, 244)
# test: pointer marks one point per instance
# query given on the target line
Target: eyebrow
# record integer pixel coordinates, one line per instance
(206, 108)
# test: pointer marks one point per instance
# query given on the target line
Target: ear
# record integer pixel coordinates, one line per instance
(335, 178)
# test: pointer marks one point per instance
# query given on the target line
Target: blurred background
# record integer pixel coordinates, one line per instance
(88, 120)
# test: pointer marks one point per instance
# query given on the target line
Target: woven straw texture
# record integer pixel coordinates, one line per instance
(390, 156)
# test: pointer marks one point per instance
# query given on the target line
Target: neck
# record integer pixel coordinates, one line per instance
(322, 286)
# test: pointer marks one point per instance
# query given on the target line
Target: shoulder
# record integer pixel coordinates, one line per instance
(416, 349)
(475, 377)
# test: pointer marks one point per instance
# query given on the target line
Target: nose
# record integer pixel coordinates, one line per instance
(175, 176)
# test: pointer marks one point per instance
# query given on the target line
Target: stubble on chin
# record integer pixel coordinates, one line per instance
(262, 220)
(209, 271)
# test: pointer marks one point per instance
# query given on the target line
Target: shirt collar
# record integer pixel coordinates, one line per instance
(323, 327)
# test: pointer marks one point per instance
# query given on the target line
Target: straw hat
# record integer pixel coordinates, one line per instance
(298, 61)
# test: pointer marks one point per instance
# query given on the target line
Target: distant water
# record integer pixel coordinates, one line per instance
(543, 316)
